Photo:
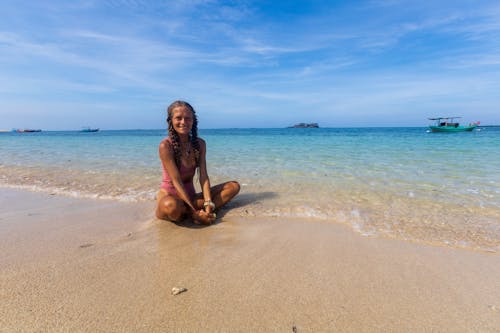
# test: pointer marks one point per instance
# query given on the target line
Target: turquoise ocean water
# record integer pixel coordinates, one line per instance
(404, 183)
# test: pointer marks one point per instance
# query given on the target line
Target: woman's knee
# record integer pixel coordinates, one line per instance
(170, 208)
(234, 186)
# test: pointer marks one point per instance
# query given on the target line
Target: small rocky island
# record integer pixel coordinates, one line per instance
(304, 125)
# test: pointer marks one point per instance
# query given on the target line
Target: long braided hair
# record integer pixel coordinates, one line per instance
(174, 137)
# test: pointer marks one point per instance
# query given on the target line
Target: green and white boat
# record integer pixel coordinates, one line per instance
(448, 124)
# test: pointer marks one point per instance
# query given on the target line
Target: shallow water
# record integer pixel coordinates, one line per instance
(397, 182)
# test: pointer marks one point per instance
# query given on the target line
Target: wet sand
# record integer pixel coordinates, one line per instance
(84, 265)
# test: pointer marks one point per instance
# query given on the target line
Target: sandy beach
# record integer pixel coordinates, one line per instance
(82, 265)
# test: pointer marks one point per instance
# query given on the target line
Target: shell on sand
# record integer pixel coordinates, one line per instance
(178, 290)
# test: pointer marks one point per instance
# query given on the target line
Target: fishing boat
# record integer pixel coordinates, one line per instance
(27, 130)
(448, 124)
(88, 129)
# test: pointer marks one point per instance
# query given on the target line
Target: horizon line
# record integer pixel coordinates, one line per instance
(227, 128)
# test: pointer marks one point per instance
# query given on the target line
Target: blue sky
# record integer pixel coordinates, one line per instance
(118, 64)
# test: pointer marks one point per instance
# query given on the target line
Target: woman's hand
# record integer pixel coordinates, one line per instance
(209, 206)
(203, 217)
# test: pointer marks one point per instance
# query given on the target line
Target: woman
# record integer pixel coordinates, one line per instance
(181, 153)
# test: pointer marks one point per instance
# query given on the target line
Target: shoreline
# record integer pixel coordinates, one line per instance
(73, 264)
(361, 215)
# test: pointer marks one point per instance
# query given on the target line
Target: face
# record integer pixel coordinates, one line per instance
(182, 120)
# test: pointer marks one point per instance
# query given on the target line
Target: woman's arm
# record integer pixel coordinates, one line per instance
(168, 160)
(204, 180)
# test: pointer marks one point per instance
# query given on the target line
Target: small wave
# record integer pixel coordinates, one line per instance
(369, 213)
(124, 197)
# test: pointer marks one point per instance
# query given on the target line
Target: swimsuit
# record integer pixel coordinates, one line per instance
(186, 173)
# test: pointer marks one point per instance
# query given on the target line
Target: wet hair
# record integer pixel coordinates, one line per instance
(174, 137)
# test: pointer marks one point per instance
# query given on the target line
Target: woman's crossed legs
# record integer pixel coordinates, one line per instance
(171, 207)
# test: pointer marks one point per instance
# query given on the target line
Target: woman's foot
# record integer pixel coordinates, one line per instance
(202, 217)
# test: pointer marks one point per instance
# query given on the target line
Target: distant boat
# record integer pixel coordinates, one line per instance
(27, 130)
(88, 129)
(304, 125)
(447, 124)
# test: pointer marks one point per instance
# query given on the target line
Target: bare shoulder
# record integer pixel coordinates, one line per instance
(165, 143)
(202, 142)
(165, 147)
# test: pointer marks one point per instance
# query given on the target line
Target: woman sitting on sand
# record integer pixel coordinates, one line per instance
(181, 153)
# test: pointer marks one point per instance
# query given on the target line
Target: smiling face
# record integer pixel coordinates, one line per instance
(182, 120)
